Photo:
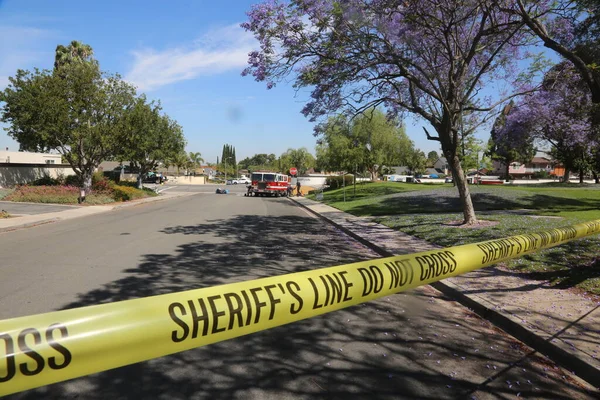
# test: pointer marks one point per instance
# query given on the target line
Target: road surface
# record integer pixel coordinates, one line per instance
(417, 345)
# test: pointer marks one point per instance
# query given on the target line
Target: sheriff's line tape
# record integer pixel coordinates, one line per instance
(42, 349)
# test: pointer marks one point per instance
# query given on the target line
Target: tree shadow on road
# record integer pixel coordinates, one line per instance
(377, 350)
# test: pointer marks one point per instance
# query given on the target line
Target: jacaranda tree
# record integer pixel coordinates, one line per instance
(568, 28)
(431, 58)
(508, 146)
(558, 114)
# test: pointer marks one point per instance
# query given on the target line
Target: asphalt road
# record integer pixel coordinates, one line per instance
(32, 208)
(418, 345)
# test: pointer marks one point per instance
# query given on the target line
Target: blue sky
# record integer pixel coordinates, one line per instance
(187, 54)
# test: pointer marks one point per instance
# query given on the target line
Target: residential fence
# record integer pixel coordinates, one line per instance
(20, 174)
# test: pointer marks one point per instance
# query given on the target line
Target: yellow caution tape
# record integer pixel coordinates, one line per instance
(47, 348)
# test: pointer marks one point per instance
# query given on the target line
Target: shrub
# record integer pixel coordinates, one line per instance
(73, 180)
(126, 193)
(97, 176)
(543, 174)
(336, 182)
(101, 184)
(46, 180)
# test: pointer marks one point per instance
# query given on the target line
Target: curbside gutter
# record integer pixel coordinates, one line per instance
(570, 358)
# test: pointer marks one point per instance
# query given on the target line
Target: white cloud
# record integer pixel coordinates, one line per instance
(217, 51)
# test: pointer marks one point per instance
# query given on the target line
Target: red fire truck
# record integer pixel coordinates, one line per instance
(266, 183)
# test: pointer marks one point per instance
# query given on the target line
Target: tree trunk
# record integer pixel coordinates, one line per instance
(463, 191)
(567, 175)
(581, 173)
(507, 178)
(373, 173)
(86, 185)
(596, 177)
(140, 183)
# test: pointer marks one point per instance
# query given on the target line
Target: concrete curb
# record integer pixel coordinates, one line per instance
(578, 364)
(28, 225)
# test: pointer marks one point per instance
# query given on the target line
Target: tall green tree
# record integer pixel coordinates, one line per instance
(78, 113)
(228, 160)
(151, 138)
(417, 162)
(299, 158)
(258, 161)
(367, 142)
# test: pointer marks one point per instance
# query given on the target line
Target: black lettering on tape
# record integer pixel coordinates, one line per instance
(347, 286)
(29, 352)
(327, 292)
(336, 288)
(372, 280)
(440, 263)
(259, 304)
(215, 314)
(399, 270)
(178, 321)
(62, 350)
(11, 366)
(316, 292)
(234, 311)
(295, 308)
(197, 318)
(272, 300)
(248, 306)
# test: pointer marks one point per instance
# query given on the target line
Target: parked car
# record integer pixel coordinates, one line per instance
(448, 179)
(153, 177)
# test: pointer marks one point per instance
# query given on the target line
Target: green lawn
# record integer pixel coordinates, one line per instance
(393, 198)
(425, 211)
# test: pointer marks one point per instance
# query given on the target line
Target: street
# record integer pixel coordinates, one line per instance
(417, 345)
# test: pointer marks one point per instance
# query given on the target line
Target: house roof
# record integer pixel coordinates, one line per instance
(400, 170)
(540, 160)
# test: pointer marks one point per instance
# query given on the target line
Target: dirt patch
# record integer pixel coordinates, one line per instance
(482, 223)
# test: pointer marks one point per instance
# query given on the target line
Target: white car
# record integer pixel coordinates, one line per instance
(241, 180)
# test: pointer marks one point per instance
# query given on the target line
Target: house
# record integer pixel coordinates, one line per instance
(25, 157)
(21, 167)
(210, 172)
(441, 166)
(527, 170)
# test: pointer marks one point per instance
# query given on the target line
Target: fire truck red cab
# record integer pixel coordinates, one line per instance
(266, 183)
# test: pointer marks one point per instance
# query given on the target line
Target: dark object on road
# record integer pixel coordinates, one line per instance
(222, 191)
(153, 177)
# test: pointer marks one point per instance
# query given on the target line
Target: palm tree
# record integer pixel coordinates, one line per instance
(74, 52)
(181, 160)
(196, 159)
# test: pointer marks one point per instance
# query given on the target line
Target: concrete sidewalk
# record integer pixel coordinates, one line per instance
(27, 221)
(563, 325)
